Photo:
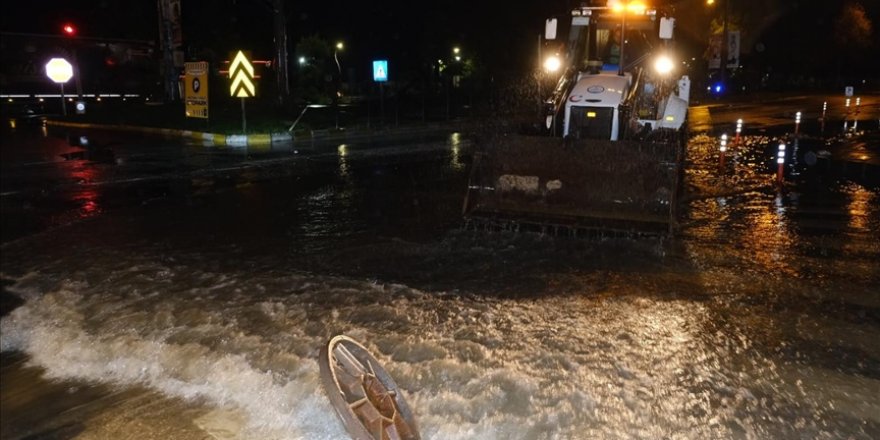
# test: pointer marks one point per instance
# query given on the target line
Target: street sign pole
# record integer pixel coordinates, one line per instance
(63, 105)
(60, 71)
(243, 118)
(380, 75)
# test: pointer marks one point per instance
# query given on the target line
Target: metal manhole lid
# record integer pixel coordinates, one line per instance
(367, 400)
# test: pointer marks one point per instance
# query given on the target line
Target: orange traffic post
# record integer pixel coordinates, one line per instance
(780, 161)
(722, 149)
(739, 126)
(856, 113)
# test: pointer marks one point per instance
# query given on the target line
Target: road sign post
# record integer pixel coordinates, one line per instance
(243, 117)
(380, 75)
(60, 71)
(241, 72)
(780, 161)
(63, 104)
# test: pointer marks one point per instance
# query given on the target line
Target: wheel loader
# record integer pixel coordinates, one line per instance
(613, 131)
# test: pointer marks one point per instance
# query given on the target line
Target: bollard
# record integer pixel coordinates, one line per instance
(797, 123)
(856, 114)
(780, 161)
(723, 149)
(822, 119)
(739, 126)
(846, 115)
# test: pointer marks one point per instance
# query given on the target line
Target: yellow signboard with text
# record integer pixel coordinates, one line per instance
(196, 95)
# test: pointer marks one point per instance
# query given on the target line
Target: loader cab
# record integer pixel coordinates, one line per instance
(611, 90)
(593, 107)
(610, 53)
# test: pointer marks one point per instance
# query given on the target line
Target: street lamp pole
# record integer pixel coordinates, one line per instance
(336, 57)
(723, 55)
(339, 47)
(724, 43)
(622, 42)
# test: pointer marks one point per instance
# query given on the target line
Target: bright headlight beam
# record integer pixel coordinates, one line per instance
(663, 65)
(552, 63)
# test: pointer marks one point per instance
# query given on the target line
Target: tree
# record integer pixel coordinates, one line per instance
(852, 28)
(315, 82)
(853, 32)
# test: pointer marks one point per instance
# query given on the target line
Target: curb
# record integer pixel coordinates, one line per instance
(260, 139)
(208, 139)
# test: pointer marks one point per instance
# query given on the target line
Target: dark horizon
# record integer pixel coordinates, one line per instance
(782, 35)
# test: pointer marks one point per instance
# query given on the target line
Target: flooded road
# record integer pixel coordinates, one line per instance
(192, 305)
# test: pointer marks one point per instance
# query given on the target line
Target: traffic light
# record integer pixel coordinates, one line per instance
(69, 30)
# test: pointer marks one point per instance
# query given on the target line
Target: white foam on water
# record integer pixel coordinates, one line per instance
(246, 345)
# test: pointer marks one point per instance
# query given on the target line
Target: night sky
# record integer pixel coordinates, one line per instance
(793, 34)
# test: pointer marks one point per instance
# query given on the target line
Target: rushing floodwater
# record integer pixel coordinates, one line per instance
(202, 312)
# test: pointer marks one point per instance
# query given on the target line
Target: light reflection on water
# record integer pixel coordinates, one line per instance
(862, 207)
(343, 163)
(455, 161)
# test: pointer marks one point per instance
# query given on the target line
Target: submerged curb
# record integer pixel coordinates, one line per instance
(207, 139)
(265, 140)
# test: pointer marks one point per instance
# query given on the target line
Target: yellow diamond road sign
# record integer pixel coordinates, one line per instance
(241, 72)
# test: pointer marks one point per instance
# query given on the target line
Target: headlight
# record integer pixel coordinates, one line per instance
(552, 63)
(663, 64)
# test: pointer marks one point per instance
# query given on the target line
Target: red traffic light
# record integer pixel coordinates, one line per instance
(69, 30)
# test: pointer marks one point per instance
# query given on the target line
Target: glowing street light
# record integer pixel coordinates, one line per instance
(68, 30)
(456, 53)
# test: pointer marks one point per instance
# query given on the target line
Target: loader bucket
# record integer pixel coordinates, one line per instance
(620, 186)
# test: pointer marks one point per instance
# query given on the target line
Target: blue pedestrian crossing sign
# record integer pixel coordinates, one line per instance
(380, 70)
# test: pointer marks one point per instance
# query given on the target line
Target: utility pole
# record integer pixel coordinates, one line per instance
(170, 40)
(282, 73)
(724, 44)
(622, 42)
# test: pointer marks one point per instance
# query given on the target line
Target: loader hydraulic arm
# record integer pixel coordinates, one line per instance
(554, 103)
